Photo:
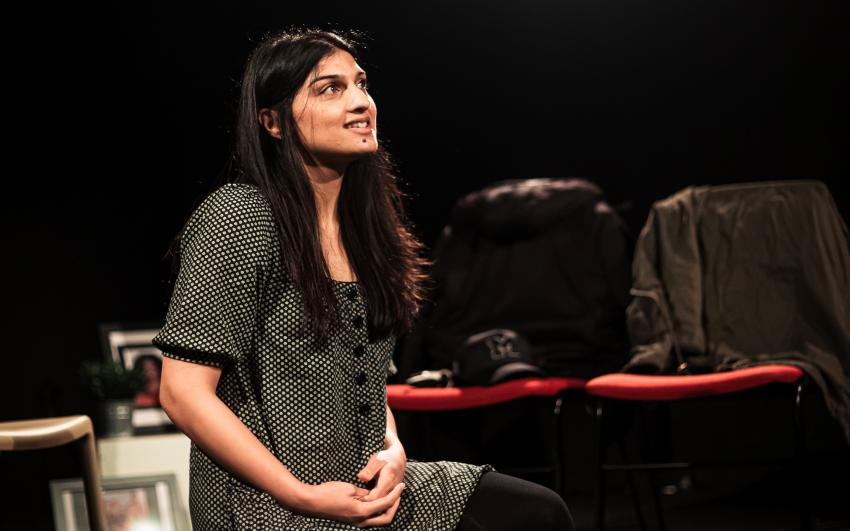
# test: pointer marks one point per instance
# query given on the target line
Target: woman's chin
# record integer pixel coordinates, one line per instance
(367, 147)
(363, 151)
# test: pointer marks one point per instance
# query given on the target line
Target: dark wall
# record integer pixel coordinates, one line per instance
(132, 108)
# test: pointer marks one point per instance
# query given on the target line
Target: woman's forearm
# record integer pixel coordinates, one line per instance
(391, 436)
(216, 430)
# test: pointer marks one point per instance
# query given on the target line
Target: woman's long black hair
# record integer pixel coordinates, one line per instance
(385, 255)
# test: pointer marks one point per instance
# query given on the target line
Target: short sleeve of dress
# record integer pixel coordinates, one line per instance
(224, 260)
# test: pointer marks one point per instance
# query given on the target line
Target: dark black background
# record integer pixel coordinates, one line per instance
(128, 123)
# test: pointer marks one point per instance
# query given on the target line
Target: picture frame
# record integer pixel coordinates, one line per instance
(129, 343)
(130, 503)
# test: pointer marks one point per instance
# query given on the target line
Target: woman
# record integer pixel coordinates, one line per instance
(294, 281)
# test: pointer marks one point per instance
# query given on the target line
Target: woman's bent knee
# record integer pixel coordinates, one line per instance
(556, 515)
(506, 503)
(549, 512)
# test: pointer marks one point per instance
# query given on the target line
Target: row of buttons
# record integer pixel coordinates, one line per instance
(359, 350)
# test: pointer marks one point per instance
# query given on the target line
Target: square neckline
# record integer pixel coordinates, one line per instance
(344, 281)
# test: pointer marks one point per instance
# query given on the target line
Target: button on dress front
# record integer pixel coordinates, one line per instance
(321, 412)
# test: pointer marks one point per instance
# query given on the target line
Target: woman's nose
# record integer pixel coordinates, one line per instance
(360, 100)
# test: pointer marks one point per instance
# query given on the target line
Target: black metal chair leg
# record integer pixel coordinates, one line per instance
(600, 471)
(656, 502)
(802, 460)
(632, 484)
(557, 455)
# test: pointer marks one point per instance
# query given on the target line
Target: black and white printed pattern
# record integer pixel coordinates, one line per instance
(321, 412)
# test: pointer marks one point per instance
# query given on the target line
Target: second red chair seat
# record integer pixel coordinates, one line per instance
(665, 388)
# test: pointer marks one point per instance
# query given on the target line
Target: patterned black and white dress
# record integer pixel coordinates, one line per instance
(322, 413)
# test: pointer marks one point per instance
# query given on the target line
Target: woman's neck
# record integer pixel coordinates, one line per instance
(327, 182)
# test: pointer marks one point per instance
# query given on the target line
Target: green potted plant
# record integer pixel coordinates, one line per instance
(114, 389)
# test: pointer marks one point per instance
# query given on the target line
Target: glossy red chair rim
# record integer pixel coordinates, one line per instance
(663, 388)
(405, 397)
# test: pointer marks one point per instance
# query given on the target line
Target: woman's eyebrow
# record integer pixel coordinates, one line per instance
(361, 73)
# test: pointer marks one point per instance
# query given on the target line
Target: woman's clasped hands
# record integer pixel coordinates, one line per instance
(345, 502)
(386, 470)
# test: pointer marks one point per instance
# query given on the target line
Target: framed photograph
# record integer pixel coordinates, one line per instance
(130, 344)
(131, 503)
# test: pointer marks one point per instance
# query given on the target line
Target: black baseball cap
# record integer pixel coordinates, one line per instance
(494, 356)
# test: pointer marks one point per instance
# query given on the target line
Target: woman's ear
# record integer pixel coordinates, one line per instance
(270, 120)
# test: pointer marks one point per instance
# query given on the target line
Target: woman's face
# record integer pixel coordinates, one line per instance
(335, 114)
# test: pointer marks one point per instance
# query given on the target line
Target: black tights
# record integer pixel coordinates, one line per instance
(506, 503)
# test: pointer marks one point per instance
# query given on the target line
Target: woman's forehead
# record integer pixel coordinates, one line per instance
(338, 62)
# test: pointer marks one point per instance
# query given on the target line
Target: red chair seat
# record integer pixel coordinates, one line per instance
(405, 397)
(650, 387)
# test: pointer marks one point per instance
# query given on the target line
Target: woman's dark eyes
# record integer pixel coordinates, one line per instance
(334, 87)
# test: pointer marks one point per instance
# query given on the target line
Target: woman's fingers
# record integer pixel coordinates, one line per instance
(381, 488)
(384, 518)
(382, 504)
(371, 468)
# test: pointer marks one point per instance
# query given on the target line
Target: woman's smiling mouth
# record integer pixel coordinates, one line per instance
(360, 126)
